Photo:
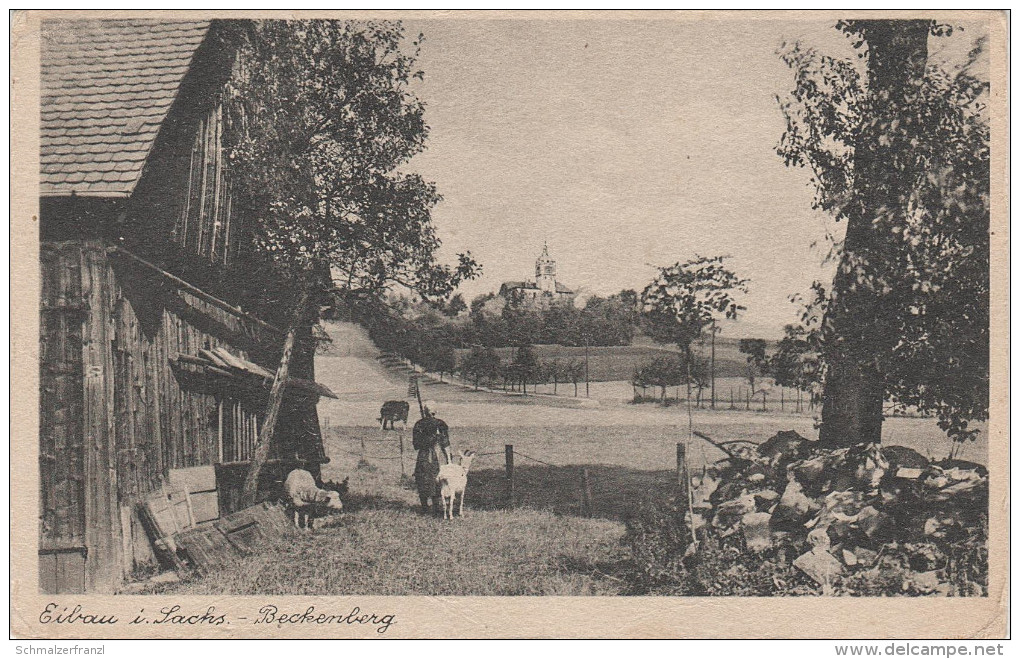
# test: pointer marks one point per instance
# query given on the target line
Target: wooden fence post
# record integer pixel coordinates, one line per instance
(509, 449)
(681, 472)
(586, 498)
(782, 400)
(362, 447)
(763, 396)
(747, 400)
(400, 438)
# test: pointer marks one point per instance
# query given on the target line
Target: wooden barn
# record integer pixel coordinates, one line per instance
(156, 346)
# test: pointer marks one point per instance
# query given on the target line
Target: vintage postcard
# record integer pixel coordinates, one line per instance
(510, 324)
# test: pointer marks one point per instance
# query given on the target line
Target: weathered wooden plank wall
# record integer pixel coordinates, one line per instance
(61, 436)
(117, 417)
(102, 525)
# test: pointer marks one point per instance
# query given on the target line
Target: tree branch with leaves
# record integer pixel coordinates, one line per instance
(320, 124)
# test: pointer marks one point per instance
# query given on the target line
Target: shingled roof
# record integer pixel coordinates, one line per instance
(106, 89)
(530, 285)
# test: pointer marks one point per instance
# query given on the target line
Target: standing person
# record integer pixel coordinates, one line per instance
(429, 434)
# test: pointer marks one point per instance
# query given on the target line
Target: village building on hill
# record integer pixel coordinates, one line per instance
(544, 290)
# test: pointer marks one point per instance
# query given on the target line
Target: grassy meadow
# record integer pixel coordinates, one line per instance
(546, 542)
(384, 545)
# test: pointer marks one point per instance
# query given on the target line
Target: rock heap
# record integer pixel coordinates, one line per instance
(868, 519)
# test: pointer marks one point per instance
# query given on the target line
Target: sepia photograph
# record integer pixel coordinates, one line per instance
(627, 308)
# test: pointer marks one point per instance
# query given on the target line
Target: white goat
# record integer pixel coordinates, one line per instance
(453, 481)
(307, 499)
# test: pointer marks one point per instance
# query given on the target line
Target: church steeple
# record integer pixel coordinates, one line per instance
(545, 271)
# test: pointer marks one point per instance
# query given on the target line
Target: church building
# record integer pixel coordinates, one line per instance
(544, 290)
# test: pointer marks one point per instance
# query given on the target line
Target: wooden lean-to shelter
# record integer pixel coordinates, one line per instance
(152, 361)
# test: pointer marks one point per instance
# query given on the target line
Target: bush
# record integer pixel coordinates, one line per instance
(659, 539)
(658, 536)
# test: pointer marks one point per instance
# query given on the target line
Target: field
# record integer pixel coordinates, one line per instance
(383, 545)
(607, 363)
(543, 544)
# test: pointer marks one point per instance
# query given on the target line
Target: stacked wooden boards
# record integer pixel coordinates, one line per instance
(183, 520)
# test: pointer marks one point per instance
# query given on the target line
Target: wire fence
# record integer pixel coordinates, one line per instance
(568, 484)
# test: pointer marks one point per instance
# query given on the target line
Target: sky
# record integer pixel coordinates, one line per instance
(625, 144)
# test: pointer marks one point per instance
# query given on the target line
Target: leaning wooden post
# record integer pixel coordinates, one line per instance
(261, 453)
(417, 395)
(509, 448)
(782, 400)
(684, 490)
(586, 498)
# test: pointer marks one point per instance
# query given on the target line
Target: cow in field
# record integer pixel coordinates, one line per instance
(393, 411)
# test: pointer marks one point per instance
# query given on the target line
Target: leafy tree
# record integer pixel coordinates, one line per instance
(443, 360)
(628, 299)
(700, 376)
(662, 372)
(756, 359)
(607, 321)
(560, 324)
(454, 307)
(525, 366)
(523, 322)
(684, 298)
(506, 374)
(541, 374)
(554, 371)
(320, 121)
(488, 362)
(573, 371)
(901, 156)
(487, 324)
(479, 302)
(603, 321)
(795, 361)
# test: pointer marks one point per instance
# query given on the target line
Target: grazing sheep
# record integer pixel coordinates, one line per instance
(453, 481)
(340, 488)
(308, 500)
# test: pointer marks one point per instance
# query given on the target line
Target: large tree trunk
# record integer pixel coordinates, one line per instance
(858, 329)
(265, 440)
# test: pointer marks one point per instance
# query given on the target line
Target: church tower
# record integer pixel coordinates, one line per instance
(545, 271)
